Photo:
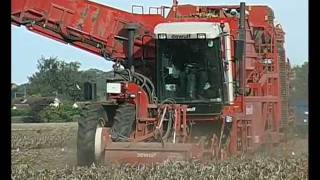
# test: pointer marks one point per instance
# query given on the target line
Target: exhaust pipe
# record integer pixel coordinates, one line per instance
(242, 16)
(229, 73)
(242, 37)
(131, 31)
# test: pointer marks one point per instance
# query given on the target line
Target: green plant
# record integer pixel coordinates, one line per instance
(20, 112)
(63, 113)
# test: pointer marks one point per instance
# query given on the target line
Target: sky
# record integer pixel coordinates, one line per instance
(27, 47)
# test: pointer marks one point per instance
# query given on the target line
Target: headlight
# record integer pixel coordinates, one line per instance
(210, 43)
(228, 119)
(201, 35)
(162, 36)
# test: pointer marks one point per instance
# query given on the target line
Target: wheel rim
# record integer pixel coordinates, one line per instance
(98, 144)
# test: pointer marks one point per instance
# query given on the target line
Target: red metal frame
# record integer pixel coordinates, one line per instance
(99, 29)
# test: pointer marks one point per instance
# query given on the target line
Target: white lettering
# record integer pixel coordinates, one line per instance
(146, 155)
(181, 36)
(191, 109)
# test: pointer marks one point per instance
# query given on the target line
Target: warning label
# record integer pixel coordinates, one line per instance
(249, 109)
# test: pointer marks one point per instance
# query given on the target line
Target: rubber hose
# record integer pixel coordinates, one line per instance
(169, 127)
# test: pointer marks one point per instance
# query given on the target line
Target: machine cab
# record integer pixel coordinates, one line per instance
(190, 68)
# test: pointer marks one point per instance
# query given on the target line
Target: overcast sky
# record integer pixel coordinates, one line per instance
(28, 47)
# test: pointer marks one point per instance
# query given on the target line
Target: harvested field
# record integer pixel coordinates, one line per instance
(38, 136)
(47, 151)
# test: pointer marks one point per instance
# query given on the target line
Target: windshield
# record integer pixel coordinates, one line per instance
(189, 70)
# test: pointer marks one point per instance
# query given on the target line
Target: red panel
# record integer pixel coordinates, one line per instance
(91, 23)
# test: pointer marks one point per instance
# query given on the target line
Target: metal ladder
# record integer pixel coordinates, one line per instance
(284, 94)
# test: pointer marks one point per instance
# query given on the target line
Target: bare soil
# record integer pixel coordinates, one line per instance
(44, 145)
(49, 150)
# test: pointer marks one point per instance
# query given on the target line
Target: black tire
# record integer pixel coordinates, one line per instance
(123, 122)
(87, 125)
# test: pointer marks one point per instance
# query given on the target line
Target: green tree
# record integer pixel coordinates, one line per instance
(299, 83)
(55, 77)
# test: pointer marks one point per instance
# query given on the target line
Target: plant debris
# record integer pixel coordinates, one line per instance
(42, 152)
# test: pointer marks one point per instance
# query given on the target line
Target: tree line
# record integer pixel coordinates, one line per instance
(58, 78)
(299, 91)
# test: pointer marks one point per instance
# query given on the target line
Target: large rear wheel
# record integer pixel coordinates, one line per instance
(123, 122)
(87, 125)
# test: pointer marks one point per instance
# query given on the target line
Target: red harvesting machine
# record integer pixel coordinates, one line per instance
(190, 82)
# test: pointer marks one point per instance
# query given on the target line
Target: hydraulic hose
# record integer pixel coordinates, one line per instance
(169, 127)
